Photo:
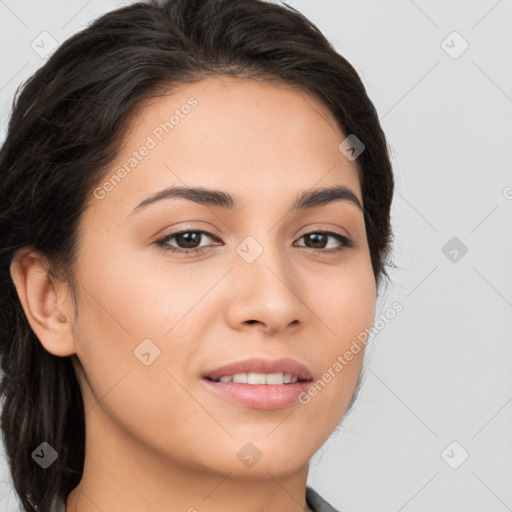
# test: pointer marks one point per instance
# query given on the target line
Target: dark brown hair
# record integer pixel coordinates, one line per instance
(66, 127)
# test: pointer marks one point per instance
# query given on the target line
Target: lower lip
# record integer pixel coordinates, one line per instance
(259, 396)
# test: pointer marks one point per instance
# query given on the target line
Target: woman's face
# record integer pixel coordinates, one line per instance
(154, 321)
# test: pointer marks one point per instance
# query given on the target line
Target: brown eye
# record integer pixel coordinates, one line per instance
(186, 241)
(318, 241)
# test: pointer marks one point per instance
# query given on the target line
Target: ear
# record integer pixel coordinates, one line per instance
(45, 300)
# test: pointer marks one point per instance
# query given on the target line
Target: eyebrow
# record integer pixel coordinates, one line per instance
(218, 198)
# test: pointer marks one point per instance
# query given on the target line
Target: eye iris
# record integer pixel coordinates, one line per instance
(316, 237)
(188, 236)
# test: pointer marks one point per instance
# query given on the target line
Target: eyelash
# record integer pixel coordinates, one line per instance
(346, 242)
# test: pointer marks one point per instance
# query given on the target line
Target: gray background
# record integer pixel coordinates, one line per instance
(440, 371)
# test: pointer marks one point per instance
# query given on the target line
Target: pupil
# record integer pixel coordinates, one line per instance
(317, 235)
(187, 237)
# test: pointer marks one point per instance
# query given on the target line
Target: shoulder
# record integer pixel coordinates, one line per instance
(317, 503)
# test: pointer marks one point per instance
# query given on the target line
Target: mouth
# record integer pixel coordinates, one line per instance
(260, 383)
(253, 378)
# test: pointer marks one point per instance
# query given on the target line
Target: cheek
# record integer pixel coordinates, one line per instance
(132, 296)
(133, 310)
(132, 371)
(345, 307)
(344, 302)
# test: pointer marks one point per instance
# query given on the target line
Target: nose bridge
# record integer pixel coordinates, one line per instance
(266, 290)
(264, 261)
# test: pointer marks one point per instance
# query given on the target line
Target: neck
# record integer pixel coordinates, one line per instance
(122, 474)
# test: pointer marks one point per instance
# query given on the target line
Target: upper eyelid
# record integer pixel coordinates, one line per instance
(181, 231)
(164, 238)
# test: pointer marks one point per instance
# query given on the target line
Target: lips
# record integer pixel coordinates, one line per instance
(260, 365)
(285, 380)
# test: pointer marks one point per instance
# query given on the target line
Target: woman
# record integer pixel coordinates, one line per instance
(195, 222)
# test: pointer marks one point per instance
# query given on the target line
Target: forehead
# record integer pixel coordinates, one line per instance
(237, 102)
(255, 138)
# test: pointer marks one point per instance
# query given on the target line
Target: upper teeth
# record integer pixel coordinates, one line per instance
(260, 378)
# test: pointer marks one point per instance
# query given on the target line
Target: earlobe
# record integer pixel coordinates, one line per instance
(45, 302)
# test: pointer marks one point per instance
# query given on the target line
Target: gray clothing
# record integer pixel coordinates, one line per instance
(316, 503)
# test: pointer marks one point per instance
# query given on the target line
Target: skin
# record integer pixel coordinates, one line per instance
(157, 439)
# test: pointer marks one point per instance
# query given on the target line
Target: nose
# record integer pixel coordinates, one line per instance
(266, 295)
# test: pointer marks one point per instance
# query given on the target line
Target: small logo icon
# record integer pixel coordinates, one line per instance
(351, 147)
(44, 44)
(454, 455)
(146, 352)
(44, 455)
(454, 249)
(249, 249)
(454, 45)
(249, 455)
